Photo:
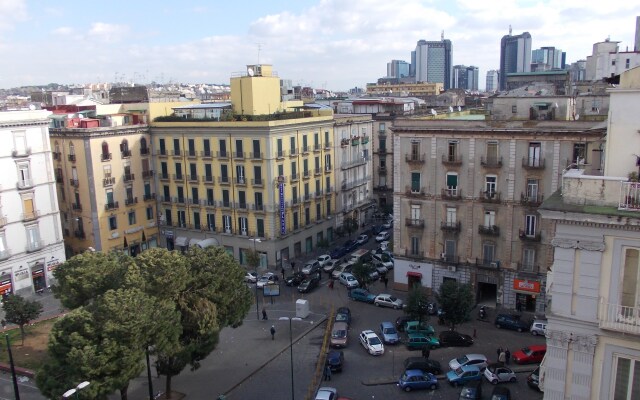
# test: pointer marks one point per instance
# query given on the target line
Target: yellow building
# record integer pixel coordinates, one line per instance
(406, 89)
(263, 179)
(106, 191)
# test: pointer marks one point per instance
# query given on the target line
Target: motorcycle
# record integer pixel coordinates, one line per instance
(482, 313)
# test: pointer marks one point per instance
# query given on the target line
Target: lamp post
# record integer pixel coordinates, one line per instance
(254, 240)
(149, 382)
(16, 391)
(75, 390)
(291, 349)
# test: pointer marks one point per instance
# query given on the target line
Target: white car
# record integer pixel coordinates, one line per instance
(250, 277)
(383, 260)
(311, 267)
(372, 343)
(324, 259)
(384, 245)
(327, 393)
(382, 236)
(348, 280)
(331, 265)
(362, 239)
(267, 278)
(496, 373)
(339, 268)
(388, 224)
(388, 300)
(478, 360)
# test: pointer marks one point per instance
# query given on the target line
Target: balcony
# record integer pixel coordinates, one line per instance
(208, 179)
(382, 151)
(72, 157)
(327, 145)
(414, 223)
(223, 180)
(79, 233)
(350, 164)
(281, 153)
(24, 183)
(619, 318)
(382, 170)
(317, 147)
(451, 159)
(450, 258)
(74, 182)
(365, 140)
(489, 197)
(144, 151)
(149, 196)
(125, 154)
(532, 163)
(193, 178)
(163, 176)
(162, 153)
(176, 153)
(415, 158)
(528, 269)
(111, 206)
(629, 196)
(329, 190)
(295, 200)
(178, 177)
(487, 264)
(414, 191)
(128, 177)
(108, 181)
(165, 199)
(56, 155)
(59, 179)
(489, 230)
(529, 237)
(448, 226)
(306, 174)
(222, 154)
(414, 254)
(241, 180)
(241, 206)
(105, 156)
(76, 206)
(179, 200)
(224, 204)
(327, 169)
(258, 207)
(257, 182)
(293, 152)
(452, 193)
(533, 200)
(491, 162)
(191, 153)
(130, 201)
(24, 152)
(306, 149)
(147, 174)
(256, 156)
(238, 155)
(35, 246)
(208, 203)
(382, 188)
(317, 171)
(307, 198)
(294, 178)
(206, 154)
(30, 216)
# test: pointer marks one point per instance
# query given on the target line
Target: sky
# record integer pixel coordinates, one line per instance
(325, 44)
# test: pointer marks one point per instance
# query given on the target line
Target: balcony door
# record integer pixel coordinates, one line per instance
(631, 280)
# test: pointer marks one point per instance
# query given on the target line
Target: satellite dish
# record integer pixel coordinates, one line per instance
(250, 71)
(459, 108)
(450, 109)
(434, 112)
(577, 117)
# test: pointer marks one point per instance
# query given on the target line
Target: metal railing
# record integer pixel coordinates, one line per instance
(616, 317)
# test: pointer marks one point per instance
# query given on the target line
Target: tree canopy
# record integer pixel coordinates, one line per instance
(456, 300)
(417, 304)
(20, 311)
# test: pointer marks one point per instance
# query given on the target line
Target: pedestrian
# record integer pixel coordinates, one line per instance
(518, 306)
(264, 314)
(331, 283)
(502, 357)
(293, 266)
(386, 282)
(327, 373)
(499, 351)
(426, 352)
(282, 273)
(507, 355)
(273, 332)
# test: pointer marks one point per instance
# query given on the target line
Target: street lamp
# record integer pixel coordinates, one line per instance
(254, 240)
(75, 390)
(291, 348)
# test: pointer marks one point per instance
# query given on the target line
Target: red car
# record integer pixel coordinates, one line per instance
(530, 355)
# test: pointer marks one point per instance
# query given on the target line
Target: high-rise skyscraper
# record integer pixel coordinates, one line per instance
(546, 58)
(515, 55)
(465, 77)
(397, 69)
(493, 79)
(433, 61)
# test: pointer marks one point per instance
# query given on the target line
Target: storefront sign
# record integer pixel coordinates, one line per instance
(5, 285)
(525, 285)
(37, 272)
(21, 274)
(283, 224)
(52, 264)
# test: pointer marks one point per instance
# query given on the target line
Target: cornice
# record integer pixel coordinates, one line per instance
(564, 243)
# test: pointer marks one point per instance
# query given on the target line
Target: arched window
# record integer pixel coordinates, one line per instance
(124, 148)
(143, 143)
(72, 149)
(105, 151)
(56, 146)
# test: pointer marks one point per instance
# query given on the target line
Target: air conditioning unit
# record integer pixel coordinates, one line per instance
(493, 264)
(452, 268)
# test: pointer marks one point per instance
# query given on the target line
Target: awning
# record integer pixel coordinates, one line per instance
(193, 241)
(414, 274)
(181, 241)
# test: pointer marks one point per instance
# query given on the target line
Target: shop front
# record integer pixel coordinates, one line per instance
(408, 274)
(527, 294)
(38, 276)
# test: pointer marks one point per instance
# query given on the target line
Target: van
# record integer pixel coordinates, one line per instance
(208, 242)
(361, 255)
(339, 335)
(538, 327)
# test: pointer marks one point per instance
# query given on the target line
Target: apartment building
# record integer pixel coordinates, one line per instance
(593, 287)
(31, 242)
(105, 181)
(465, 202)
(262, 180)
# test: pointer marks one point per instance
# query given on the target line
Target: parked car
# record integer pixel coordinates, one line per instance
(530, 355)
(415, 379)
(388, 224)
(383, 246)
(311, 267)
(372, 343)
(323, 259)
(496, 373)
(309, 283)
(331, 265)
(462, 375)
(326, 393)
(335, 360)
(269, 277)
(471, 390)
(419, 327)
(361, 294)
(538, 327)
(347, 279)
(533, 380)
(509, 321)
(350, 245)
(340, 268)
(343, 314)
(424, 364)
(376, 229)
(479, 360)
(339, 335)
(382, 260)
(388, 300)
(453, 338)
(389, 333)
(418, 341)
(362, 239)
(401, 321)
(339, 252)
(382, 236)
(500, 393)
(251, 277)
(295, 279)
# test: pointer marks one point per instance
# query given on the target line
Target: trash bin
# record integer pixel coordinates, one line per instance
(302, 308)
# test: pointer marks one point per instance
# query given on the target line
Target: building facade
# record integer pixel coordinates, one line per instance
(546, 58)
(465, 203)
(515, 55)
(465, 77)
(493, 81)
(434, 62)
(31, 241)
(398, 69)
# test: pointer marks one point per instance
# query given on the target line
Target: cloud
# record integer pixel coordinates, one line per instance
(12, 12)
(63, 31)
(108, 33)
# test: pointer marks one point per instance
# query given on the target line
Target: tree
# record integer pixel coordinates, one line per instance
(456, 300)
(417, 304)
(362, 272)
(350, 225)
(253, 259)
(21, 311)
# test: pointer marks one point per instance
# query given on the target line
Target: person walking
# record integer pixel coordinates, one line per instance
(327, 373)
(273, 332)
(499, 351)
(264, 314)
(282, 273)
(293, 266)
(502, 357)
(386, 282)
(426, 352)
(507, 355)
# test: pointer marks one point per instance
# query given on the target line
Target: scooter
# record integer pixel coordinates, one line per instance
(482, 313)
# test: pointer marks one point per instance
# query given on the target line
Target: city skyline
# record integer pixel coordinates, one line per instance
(323, 44)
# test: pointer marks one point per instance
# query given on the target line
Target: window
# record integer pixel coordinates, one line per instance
(168, 216)
(178, 170)
(166, 193)
(28, 208)
(195, 196)
(294, 194)
(196, 220)
(383, 144)
(294, 169)
(191, 143)
(113, 223)
(627, 379)
(210, 200)
(305, 167)
(162, 146)
(318, 212)
(292, 145)
(207, 147)
(110, 201)
(327, 162)
(124, 148)
(143, 145)
(307, 216)
(514, 109)
(492, 153)
(415, 214)
(613, 62)
(579, 153)
(176, 147)
(382, 127)
(627, 63)
(24, 175)
(132, 217)
(223, 147)
(240, 174)
(280, 170)
(211, 222)
(305, 148)
(452, 151)
(279, 152)
(534, 154)
(488, 252)
(415, 151)
(489, 218)
(452, 183)
(490, 185)
(328, 207)
(180, 192)
(451, 216)
(532, 189)
(239, 149)
(33, 237)
(260, 227)
(528, 259)
(182, 219)
(631, 280)
(415, 182)
(105, 151)
(164, 170)
(225, 198)
(415, 245)
(450, 248)
(226, 222)
(256, 149)
(72, 149)
(242, 199)
(530, 225)
(149, 212)
(193, 171)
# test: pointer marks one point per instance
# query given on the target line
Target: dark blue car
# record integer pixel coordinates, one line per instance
(338, 253)
(350, 245)
(413, 379)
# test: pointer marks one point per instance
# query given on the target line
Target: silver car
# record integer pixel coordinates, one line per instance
(496, 373)
(388, 300)
(538, 327)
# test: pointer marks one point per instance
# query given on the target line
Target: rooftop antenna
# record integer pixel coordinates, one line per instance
(509, 29)
(442, 35)
(259, 48)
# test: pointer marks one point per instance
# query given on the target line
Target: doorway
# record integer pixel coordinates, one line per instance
(487, 294)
